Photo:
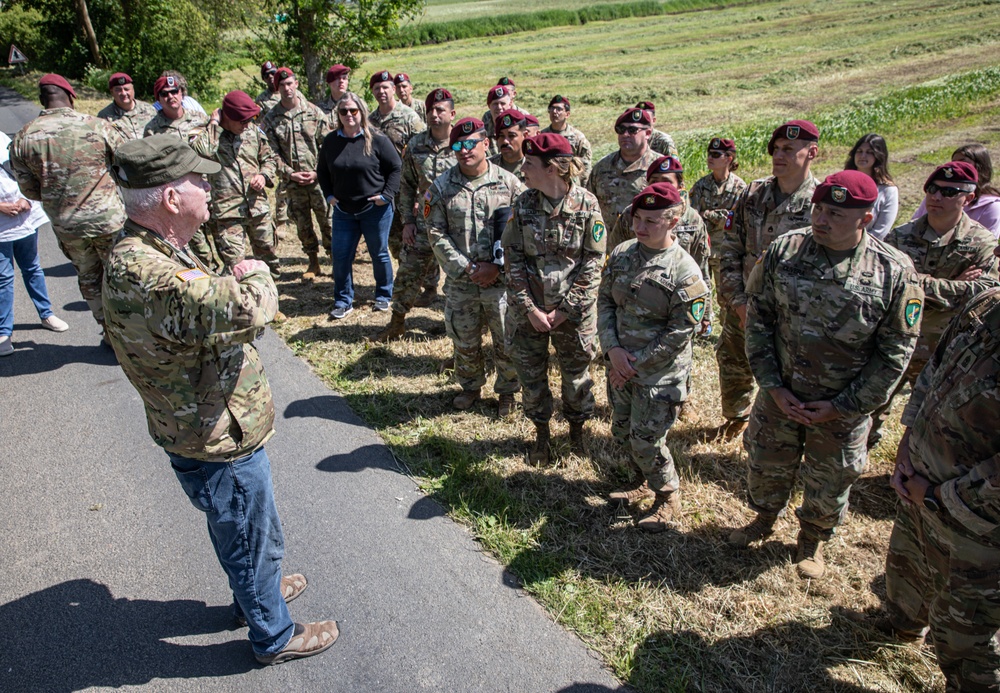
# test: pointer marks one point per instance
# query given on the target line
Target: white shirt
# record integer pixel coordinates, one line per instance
(26, 223)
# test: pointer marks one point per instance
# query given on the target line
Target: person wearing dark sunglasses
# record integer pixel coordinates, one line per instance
(173, 118)
(953, 256)
(621, 175)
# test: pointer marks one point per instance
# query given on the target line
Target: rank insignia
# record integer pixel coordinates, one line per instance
(650, 200)
(467, 127)
(598, 231)
(792, 132)
(637, 115)
(912, 312)
(529, 147)
(439, 95)
(948, 173)
(698, 309)
(838, 193)
(191, 274)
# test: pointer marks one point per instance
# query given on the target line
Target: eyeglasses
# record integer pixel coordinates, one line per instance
(348, 111)
(716, 155)
(467, 145)
(248, 120)
(946, 192)
(169, 92)
(630, 129)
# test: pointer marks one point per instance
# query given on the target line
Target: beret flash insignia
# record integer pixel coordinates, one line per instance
(529, 147)
(637, 115)
(467, 127)
(498, 92)
(792, 132)
(949, 172)
(385, 76)
(716, 143)
(504, 81)
(120, 81)
(650, 199)
(665, 166)
(506, 121)
(439, 95)
(838, 193)
(171, 82)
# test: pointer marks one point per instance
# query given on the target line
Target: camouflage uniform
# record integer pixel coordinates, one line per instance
(714, 202)
(418, 108)
(938, 261)
(129, 123)
(423, 161)
(491, 131)
(267, 100)
(942, 569)
(615, 182)
(650, 303)
(62, 158)
(458, 213)
(238, 211)
(663, 144)
(581, 148)
(295, 135)
(169, 318)
(553, 259)
(399, 125)
(841, 331)
(756, 221)
(509, 168)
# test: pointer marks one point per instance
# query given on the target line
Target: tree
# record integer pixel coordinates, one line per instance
(316, 33)
(83, 17)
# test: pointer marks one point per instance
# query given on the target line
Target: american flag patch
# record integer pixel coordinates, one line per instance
(189, 274)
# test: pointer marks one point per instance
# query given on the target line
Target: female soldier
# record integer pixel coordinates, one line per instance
(715, 194)
(554, 249)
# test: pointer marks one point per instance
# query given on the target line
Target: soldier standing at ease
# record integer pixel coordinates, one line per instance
(659, 141)
(714, 195)
(510, 128)
(427, 156)
(498, 99)
(295, 130)
(553, 251)
(61, 158)
(239, 202)
(404, 92)
(337, 79)
(832, 320)
(621, 175)
(767, 208)
(466, 210)
(269, 97)
(953, 257)
(127, 114)
(652, 298)
(944, 551)
(173, 118)
(559, 124)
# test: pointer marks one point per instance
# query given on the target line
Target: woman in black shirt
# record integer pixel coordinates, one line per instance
(359, 172)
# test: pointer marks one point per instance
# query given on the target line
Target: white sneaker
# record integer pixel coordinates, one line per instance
(55, 324)
(6, 348)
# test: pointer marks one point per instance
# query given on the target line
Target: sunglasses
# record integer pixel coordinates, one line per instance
(716, 155)
(945, 192)
(467, 145)
(248, 120)
(169, 92)
(348, 111)
(630, 129)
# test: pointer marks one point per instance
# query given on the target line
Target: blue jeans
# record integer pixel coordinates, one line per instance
(373, 223)
(24, 252)
(238, 500)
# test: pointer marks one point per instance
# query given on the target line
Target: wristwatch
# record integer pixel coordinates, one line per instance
(930, 500)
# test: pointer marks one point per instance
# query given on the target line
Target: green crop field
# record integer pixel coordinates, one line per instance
(445, 10)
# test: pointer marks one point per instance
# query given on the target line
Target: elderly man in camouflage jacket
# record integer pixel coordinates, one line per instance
(126, 113)
(169, 316)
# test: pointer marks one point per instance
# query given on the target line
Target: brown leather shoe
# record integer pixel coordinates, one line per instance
(465, 399)
(506, 405)
(426, 297)
(308, 639)
(666, 509)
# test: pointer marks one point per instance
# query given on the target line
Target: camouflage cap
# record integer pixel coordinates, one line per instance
(155, 160)
(955, 172)
(849, 189)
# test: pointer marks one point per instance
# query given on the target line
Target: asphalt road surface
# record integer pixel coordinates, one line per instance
(108, 578)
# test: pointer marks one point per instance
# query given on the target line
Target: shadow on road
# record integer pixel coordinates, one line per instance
(66, 269)
(329, 407)
(75, 635)
(30, 357)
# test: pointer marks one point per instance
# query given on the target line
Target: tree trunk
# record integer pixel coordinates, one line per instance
(88, 30)
(310, 56)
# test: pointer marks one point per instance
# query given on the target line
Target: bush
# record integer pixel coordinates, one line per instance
(21, 26)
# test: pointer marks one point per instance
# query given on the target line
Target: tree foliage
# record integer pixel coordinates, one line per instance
(310, 35)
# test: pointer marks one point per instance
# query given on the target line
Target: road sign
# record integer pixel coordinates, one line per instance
(16, 56)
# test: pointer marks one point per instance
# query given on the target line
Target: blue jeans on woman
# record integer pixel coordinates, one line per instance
(373, 223)
(24, 252)
(238, 501)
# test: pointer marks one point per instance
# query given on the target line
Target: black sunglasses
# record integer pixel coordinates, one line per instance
(945, 192)
(630, 129)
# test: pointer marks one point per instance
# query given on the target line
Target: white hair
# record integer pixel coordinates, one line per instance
(142, 201)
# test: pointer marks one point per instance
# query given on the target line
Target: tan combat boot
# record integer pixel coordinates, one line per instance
(541, 453)
(426, 297)
(666, 509)
(465, 399)
(636, 490)
(761, 528)
(809, 557)
(506, 405)
(394, 330)
(733, 429)
(577, 443)
(313, 269)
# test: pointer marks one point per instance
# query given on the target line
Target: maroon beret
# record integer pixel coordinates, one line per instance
(719, 144)
(118, 79)
(665, 164)
(634, 116)
(283, 73)
(437, 96)
(379, 77)
(464, 128)
(497, 92)
(507, 119)
(646, 106)
(336, 71)
(237, 105)
(549, 144)
(559, 99)
(954, 172)
(656, 196)
(506, 81)
(57, 81)
(267, 68)
(165, 82)
(794, 130)
(401, 77)
(531, 121)
(851, 189)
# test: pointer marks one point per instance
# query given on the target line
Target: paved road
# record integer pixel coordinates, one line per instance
(107, 577)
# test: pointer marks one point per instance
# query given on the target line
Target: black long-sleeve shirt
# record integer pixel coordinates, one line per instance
(346, 173)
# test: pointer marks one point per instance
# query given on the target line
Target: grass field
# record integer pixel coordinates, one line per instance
(445, 10)
(680, 611)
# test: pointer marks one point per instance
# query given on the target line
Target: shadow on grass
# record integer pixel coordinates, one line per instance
(872, 497)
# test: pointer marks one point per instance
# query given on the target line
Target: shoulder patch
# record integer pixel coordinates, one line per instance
(191, 274)
(729, 221)
(598, 231)
(912, 311)
(698, 310)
